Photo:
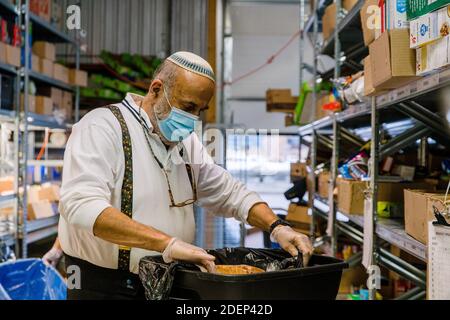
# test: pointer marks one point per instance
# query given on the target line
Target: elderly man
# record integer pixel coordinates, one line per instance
(131, 176)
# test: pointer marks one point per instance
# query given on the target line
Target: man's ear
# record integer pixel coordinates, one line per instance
(155, 88)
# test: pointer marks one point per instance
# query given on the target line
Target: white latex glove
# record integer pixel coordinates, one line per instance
(52, 257)
(292, 242)
(178, 250)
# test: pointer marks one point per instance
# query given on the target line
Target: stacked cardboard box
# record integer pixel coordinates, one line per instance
(298, 216)
(419, 205)
(280, 100)
(298, 170)
(351, 194)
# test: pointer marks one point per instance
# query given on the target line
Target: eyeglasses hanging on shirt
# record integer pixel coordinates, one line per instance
(189, 170)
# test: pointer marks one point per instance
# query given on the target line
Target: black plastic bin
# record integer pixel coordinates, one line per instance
(319, 281)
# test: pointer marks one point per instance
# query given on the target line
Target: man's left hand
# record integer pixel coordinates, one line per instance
(293, 242)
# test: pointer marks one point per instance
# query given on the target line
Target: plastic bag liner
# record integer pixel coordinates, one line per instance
(157, 277)
(30, 279)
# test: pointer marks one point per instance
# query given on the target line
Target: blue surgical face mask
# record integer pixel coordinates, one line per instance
(178, 125)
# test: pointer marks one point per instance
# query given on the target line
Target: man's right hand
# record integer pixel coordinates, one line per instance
(178, 250)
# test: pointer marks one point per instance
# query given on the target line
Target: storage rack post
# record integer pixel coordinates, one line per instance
(332, 224)
(21, 249)
(313, 147)
(374, 185)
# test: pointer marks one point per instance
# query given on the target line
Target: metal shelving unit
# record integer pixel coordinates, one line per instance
(25, 123)
(412, 101)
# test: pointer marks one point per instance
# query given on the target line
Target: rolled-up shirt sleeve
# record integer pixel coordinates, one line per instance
(88, 173)
(221, 194)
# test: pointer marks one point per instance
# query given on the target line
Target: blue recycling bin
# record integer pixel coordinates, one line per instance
(30, 279)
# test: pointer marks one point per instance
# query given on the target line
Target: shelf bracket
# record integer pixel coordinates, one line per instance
(425, 116)
(407, 138)
(352, 138)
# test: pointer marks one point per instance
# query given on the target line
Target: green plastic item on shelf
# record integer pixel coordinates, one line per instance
(109, 83)
(304, 91)
(109, 94)
(88, 92)
(97, 79)
(122, 86)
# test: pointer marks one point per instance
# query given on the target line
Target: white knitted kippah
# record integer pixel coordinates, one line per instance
(193, 63)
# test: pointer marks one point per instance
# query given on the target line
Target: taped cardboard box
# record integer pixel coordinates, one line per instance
(280, 100)
(31, 102)
(60, 73)
(78, 78)
(417, 8)
(419, 211)
(370, 20)
(54, 93)
(44, 105)
(67, 105)
(46, 67)
(49, 192)
(35, 63)
(40, 210)
(393, 63)
(12, 55)
(433, 56)
(351, 194)
(369, 89)
(45, 50)
(298, 169)
(6, 185)
(324, 184)
(430, 27)
(298, 214)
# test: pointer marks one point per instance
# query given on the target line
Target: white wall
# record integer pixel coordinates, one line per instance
(259, 30)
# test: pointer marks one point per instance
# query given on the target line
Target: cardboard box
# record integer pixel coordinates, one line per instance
(6, 185)
(299, 169)
(417, 8)
(406, 172)
(31, 102)
(40, 210)
(35, 63)
(351, 194)
(349, 4)
(280, 100)
(430, 27)
(370, 20)
(3, 52)
(67, 105)
(12, 55)
(369, 89)
(298, 214)
(44, 105)
(78, 78)
(392, 61)
(49, 192)
(419, 211)
(433, 56)
(46, 67)
(45, 50)
(329, 21)
(60, 73)
(324, 184)
(53, 93)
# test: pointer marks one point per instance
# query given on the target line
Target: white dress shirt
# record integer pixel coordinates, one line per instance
(92, 180)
